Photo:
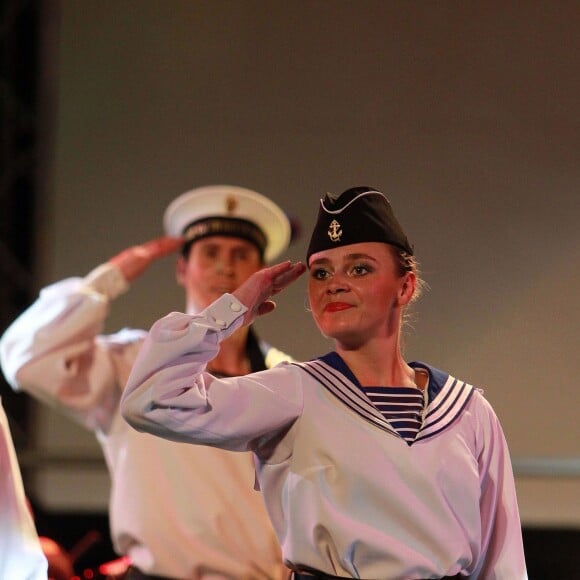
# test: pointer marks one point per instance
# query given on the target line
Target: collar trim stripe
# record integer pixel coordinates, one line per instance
(344, 390)
(456, 396)
(449, 402)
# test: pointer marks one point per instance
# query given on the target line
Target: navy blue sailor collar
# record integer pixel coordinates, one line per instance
(446, 395)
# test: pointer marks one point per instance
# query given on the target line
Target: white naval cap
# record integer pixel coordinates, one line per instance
(229, 210)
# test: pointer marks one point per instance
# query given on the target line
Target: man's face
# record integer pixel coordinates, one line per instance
(215, 265)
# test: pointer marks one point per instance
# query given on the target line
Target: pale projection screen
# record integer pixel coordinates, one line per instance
(464, 114)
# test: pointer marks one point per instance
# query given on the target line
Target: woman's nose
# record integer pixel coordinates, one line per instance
(337, 285)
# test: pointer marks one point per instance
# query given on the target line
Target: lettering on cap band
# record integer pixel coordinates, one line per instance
(225, 226)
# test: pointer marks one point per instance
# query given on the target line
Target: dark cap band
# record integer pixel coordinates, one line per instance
(360, 214)
(231, 227)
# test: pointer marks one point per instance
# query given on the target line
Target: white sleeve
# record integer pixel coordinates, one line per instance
(54, 351)
(502, 552)
(169, 394)
(21, 554)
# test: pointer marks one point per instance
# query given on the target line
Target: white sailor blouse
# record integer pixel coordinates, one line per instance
(177, 511)
(347, 494)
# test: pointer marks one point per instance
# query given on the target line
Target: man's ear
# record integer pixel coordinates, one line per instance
(180, 270)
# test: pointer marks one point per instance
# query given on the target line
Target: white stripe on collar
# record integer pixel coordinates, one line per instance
(347, 392)
(445, 407)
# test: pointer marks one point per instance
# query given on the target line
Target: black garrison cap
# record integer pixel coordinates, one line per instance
(359, 214)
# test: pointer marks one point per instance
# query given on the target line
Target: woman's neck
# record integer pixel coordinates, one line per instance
(378, 364)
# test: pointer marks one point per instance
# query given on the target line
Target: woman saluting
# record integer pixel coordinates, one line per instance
(370, 466)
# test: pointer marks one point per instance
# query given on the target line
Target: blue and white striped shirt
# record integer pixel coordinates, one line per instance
(402, 407)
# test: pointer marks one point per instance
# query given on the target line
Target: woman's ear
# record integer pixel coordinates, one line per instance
(180, 270)
(407, 289)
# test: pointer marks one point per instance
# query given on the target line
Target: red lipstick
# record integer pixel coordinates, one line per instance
(337, 306)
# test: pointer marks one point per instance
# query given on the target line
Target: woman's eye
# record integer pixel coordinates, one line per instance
(360, 269)
(319, 274)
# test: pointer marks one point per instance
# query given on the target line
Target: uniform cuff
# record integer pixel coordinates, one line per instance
(107, 280)
(227, 312)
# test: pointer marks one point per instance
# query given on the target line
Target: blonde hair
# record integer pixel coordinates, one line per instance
(407, 263)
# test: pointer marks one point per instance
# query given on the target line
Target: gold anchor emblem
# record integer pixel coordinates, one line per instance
(334, 231)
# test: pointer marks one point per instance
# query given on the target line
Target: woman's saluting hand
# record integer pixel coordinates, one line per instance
(256, 291)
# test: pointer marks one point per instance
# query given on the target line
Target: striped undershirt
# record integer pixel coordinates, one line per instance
(402, 407)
